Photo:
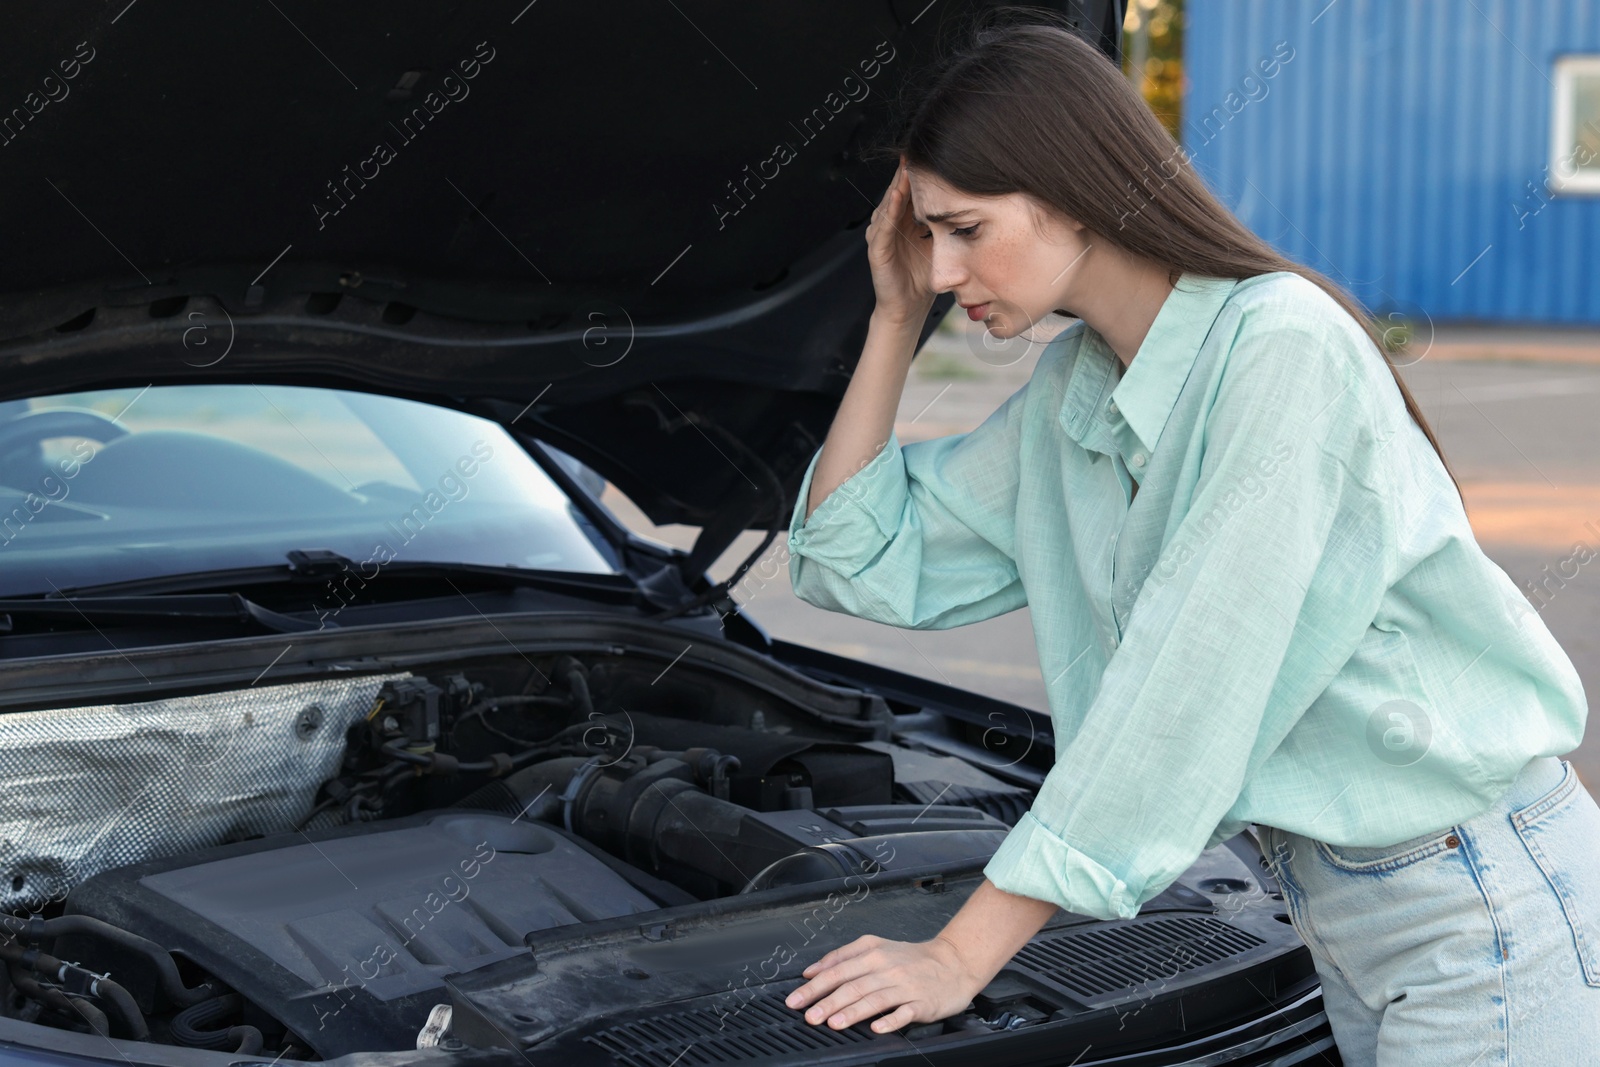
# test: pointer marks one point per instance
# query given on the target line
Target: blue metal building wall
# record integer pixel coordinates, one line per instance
(1398, 145)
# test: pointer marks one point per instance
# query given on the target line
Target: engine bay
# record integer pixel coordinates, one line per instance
(306, 870)
(608, 844)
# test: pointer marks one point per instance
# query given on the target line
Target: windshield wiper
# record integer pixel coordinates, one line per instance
(232, 606)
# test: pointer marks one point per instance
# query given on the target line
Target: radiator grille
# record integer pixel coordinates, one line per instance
(763, 1026)
(1096, 962)
(1093, 964)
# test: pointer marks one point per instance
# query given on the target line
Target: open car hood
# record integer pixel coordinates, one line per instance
(634, 231)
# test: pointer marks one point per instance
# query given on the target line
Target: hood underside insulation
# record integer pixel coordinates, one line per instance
(83, 790)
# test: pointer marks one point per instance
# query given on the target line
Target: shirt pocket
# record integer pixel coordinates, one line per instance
(1559, 831)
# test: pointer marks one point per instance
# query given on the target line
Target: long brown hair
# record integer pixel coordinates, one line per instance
(1024, 104)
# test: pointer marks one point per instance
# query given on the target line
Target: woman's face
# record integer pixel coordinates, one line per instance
(1009, 254)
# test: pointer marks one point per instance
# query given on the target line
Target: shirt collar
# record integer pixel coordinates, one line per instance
(1146, 392)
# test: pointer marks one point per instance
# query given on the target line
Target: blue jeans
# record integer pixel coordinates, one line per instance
(1477, 944)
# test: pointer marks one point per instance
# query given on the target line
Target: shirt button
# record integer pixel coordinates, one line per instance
(1138, 459)
(1113, 642)
(1112, 407)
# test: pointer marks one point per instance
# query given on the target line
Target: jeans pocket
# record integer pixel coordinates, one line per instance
(1273, 847)
(1379, 859)
(1560, 830)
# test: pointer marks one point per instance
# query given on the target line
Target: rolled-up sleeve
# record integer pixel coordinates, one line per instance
(923, 535)
(1265, 588)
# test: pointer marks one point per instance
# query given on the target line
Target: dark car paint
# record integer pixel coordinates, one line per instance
(546, 247)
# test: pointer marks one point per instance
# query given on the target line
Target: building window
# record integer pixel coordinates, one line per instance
(1575, 129)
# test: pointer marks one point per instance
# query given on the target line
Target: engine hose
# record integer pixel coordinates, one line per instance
(127, 1011)
(515, 701)
(194, 1026)
(29, 986)
(533, 794)
(85, 981)
(166, 970)
(571, 670)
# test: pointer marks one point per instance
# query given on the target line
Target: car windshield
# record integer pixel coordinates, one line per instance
(124, 484)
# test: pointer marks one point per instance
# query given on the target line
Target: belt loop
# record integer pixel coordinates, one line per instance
(1270, 841)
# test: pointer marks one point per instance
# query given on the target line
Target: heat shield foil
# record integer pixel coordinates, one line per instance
(83, 790)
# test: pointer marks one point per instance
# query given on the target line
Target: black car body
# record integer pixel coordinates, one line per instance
(338, 719)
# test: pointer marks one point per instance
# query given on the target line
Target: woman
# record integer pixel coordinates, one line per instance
(1256, 597)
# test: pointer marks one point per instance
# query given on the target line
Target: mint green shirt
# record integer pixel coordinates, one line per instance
(1290, 624)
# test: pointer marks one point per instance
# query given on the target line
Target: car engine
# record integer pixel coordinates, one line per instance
(300, 871)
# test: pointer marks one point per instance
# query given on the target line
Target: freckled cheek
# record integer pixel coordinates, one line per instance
(1007, 272)
(998, 269)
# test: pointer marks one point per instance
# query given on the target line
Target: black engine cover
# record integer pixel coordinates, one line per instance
(345, 935)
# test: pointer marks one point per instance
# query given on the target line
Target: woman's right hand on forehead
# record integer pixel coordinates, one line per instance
(900, 265)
